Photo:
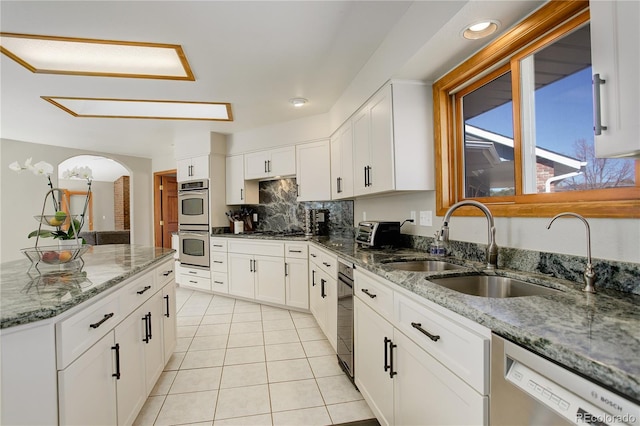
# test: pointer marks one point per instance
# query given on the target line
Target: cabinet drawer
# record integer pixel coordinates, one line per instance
(165, 273)
(196, 282)
(260, 248)
(76, 334)
(219, 282)
(296, 250)
(219, 244)
(136, 292)
(459, 349)
(218, 262)
(194, 272)
(324, 260)
(373, 292)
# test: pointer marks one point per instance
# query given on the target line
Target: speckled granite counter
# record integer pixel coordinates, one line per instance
(29, 297)
(597, 336)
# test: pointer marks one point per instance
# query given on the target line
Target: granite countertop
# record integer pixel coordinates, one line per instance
(597, 336)
(29, 296)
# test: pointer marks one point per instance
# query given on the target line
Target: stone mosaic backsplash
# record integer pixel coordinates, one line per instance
(280, 211)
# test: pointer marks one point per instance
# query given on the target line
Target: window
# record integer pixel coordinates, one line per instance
(515, 125)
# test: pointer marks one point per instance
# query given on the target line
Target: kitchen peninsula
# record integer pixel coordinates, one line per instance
(60, 329)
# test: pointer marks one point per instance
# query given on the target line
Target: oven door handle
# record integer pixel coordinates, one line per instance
(193, 234)
(193, 191)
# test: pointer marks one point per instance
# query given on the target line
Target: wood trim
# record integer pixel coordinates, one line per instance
(157, 208)
(539, 28)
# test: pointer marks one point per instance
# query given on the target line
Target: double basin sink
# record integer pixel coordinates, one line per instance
(475, 284)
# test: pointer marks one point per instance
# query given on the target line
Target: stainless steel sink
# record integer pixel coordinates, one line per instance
(423, 265)
(492, 286)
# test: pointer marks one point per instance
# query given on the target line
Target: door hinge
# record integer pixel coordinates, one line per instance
(160, 187)
(162, 223)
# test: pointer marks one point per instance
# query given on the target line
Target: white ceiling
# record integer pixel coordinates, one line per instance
(254, 54)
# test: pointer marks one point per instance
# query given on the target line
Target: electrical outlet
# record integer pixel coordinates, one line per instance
(413, 217)
(426, 218)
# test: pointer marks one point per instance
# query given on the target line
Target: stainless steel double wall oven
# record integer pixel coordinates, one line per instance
(193, 223)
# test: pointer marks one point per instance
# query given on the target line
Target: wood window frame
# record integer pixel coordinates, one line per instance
(490, 62)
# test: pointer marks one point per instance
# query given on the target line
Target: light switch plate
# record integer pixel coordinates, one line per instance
(426, 218)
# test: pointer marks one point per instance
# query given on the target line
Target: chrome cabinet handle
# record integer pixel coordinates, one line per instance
(241, 195)
(418, 327)
(597, 105)
(366, 291)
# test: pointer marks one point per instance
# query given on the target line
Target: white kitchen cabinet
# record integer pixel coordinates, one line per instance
(219, 268)
(401, 345)
(238, 190)
(193, 168)
(313, 171)
(323, 292)
(256, 270)
(296, 276)
(392, 141)
(153, 345)
(169, 320)
(270, 163)
(371, 351)
(342, 162)
(87, 388)
(616, 58)
(195, 278)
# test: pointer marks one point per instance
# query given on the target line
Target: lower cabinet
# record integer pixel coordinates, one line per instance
(296, 276)
(404, 379)
(323, 302)
(257, 277)
(109, 383)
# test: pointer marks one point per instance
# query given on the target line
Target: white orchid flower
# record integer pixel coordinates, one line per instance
(16, 167)
(42, 168)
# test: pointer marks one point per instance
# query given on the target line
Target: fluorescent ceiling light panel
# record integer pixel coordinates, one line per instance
(107, 58)
(135, 108)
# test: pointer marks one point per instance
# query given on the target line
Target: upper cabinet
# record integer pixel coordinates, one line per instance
(270, 163)
(238, 191)
(342, 162)
(313, 171)
(193, 168)
(615, 58)
(393, 140)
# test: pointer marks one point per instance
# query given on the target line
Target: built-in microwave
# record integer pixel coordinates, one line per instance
(193, 204)
(194, 248)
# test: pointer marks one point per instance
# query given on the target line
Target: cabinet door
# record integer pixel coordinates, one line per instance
(342, 163)
(269, 272)
(154, 346)
(241, 277)
(282, 161)
(169, 320)
(371, 356)
(331, 307)
(615, 56)
(235, 180)
(361, 155)
(316, 305)
(313, 171)
(297, 283)
(426, 393)
(200, 167)
(131, 386)
(381, 172)
(183, 169)
(255, 165)
(86, 388)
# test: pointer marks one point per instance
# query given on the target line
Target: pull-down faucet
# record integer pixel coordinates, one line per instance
(492, 247)
(589, 273)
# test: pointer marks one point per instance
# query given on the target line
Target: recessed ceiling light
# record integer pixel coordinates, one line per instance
(106, 58)
(298, 102)
(141, 108)
(480, 29)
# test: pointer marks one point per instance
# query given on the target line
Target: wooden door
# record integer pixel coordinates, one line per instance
(165, 207)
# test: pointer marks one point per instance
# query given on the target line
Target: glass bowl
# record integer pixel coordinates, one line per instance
(52, 219)
(55, 255)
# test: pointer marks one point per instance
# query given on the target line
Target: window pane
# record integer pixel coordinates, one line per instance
(557, 117)
(488, 140)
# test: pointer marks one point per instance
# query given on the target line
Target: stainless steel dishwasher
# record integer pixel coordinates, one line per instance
(527, 389)
(345, 317)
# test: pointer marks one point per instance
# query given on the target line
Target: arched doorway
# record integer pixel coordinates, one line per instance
(109, 208)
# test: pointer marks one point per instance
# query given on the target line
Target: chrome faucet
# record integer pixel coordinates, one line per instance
(589, 273)
(492, 247)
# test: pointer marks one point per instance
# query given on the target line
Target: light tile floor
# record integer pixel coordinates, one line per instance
(242, 363)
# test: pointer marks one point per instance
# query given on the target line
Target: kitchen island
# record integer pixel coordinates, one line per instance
(58, 331)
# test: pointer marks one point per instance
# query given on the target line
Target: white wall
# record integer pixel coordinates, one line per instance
(102, 201)
(22, 194)
(612, 239)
